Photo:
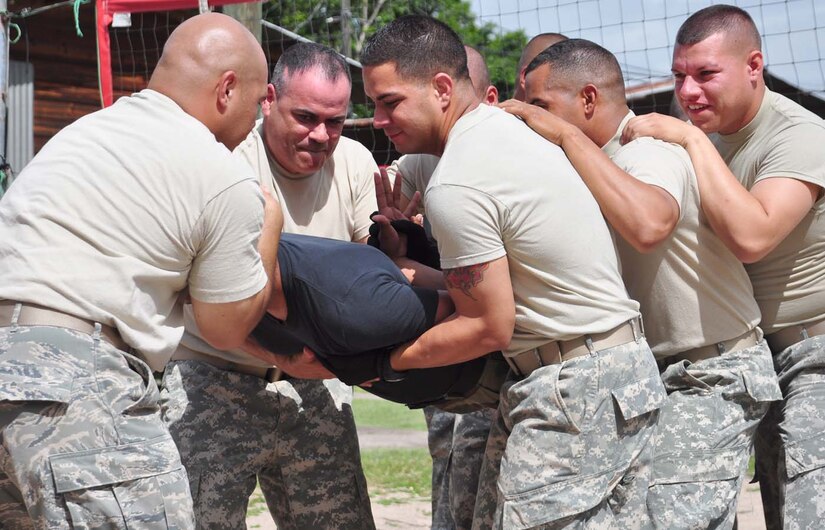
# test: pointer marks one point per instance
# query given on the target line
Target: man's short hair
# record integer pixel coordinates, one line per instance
(720, 18)
(420, 46)
(583, 62)
(304, 56)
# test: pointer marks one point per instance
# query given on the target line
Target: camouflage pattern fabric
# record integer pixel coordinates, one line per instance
(705, 437)
(83, 442)
(457, 443)
(790, 441)
(296, 437)
(575, 444)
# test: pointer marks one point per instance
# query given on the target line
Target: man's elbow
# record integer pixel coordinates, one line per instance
(751, 252)
(647, 239)
(225, 340)
(497, 337)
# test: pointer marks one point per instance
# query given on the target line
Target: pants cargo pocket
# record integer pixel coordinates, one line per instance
(140, 485)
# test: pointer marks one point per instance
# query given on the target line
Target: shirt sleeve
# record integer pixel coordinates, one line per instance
(467, 223)
(227, 266)
(364, 193)
(658, 164)
(796, 153)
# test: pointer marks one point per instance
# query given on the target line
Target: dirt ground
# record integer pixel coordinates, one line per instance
(411, 513)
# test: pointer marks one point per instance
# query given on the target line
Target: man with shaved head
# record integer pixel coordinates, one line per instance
(535, 46)
(121, 216)
(695, 297)
(761, 171)
(456, 441)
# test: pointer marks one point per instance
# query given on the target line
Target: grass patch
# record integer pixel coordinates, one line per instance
(387, 415)
(394, 471)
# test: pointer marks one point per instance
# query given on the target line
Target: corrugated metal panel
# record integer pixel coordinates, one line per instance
(20, 119)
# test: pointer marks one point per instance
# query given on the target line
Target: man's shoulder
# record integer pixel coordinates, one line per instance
(351, 160)
(653, 152)
(787, 114)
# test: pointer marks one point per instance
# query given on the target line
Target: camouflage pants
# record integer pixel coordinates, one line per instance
(457, 443)
(296, 438)
(705, 437)
(572, 444)
(790, 441)
(83, 442)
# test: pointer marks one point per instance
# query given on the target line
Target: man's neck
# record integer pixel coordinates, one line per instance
(463, 102)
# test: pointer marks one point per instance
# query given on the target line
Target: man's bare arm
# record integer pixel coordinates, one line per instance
(225, 326)
(751, 223)
(483, 321)
(643, 214)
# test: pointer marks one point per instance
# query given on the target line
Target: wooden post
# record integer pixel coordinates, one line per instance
(248, 14)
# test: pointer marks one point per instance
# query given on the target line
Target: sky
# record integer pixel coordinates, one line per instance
(641, 32)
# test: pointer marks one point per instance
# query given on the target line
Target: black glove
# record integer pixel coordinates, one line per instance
(419, 247)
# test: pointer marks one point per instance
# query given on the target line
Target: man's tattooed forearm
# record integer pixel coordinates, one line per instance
(465, 278)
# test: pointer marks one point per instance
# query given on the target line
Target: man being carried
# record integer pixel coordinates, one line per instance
(696, 300)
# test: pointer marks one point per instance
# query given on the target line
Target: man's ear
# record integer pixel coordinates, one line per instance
(266, 106)
(589, 97)
(756, 64)
(226, 89)
(443, 85)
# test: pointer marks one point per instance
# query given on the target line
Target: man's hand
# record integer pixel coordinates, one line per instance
(388, 198)
(665, 128)
(547, 124)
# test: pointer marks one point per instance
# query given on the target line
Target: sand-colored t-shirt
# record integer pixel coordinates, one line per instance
(499, 190)
(784, 140)
(123, 210)
(334, 202)
(692, 290)
(416, 171)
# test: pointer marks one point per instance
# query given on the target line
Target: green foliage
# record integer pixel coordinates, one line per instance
(371, 412)
(322, 21)
(393, 471)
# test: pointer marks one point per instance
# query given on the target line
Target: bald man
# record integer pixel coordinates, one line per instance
(535, 46)
(118, 217)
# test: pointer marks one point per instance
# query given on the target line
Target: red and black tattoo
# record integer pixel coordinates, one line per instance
(465, 278)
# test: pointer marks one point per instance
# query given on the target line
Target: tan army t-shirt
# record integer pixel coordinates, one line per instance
(124, 209)
(416, 171)
(501, 190)
(692, 290)
(334, 202)
(785, 140)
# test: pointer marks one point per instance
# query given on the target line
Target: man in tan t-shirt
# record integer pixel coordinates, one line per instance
(298, 437)
(501, 202)
(761, 173)
(695, 296)
(118, 217)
